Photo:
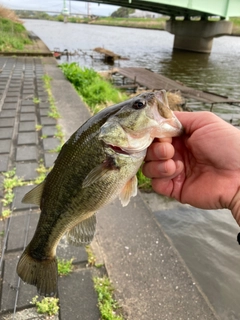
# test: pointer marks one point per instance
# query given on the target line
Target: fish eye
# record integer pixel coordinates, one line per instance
(139, 104)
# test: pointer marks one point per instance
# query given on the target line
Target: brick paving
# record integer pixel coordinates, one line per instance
(22, 147)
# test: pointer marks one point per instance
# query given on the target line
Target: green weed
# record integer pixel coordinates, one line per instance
(144, 183)
(91, 256)
(38, 127)
(10, 181)
(64, 267)
(47, 305)
(42, 173)
(36, 100)
(108, 306)
(93, 89)
(13, 35)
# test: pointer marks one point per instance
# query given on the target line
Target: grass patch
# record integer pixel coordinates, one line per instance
(95, 92)
(47, 305)
(14, 36)
(10, 181)
(65, 267)
(108, 306)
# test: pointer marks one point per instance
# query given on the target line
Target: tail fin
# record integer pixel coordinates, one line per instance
(40, 273)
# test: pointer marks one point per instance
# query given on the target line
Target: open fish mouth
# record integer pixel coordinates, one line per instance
(119, 150)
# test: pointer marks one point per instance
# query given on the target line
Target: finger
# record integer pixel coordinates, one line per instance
(163, 186)
(192, 121)
(159, 151)
(159, 169)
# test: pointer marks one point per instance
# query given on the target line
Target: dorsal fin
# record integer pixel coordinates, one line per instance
(34, 196)
(83, 233)
(129, 190)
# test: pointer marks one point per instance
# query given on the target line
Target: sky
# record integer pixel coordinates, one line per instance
(57, 5)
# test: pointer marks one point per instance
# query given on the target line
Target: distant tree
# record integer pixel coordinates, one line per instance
(122, 12)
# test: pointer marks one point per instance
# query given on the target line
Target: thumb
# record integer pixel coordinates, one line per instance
(191, 121)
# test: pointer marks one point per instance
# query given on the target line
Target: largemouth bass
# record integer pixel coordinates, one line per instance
(98, 163)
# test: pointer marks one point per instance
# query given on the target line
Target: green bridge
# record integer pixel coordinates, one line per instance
(195, 32)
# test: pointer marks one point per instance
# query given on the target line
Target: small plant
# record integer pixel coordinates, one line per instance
(47, 305)
(36, 100)
(38, 127)
(6, 213)
(91, 256)
(42, 171)
(59, 134)
(10, 181)
(57, 149)
(44, 136)
(64, 266)
(108, 306)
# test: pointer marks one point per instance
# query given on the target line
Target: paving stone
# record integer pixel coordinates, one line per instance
(6, 122)
(78, 298)
(28, 91)
(4, 159)
(50, 143)
(27, 117)
(27, 103)
(27, 138)
(11, 99)
(49, 130)
(8, 113)
(48, 121)
(27, 171)
(28, 86)
(44, 112)
(49, 159)
(43, 97)
(44, 105)
(6, 133)
(19, 193)
(10, 283)
(12, 94)
(28, 109)
(28, 153)
(7, 106)
(21, 223)
(5, 146)
(67, 252)
(27, 126)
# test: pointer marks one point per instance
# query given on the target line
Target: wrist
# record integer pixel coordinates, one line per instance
(235, 206)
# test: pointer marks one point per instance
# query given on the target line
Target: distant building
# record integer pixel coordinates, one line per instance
(144, 14)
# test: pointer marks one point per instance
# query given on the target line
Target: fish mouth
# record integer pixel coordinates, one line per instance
(118, 149)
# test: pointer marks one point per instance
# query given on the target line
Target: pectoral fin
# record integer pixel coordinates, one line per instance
(99, 172)
(129, 190)
(34, 196)
(83, 233)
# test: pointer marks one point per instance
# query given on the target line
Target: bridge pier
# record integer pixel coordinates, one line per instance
(197, 35)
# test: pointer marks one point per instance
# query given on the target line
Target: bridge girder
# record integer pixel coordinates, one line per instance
(157, 7)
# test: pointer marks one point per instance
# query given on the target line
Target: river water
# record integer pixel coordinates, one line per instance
(205, 239)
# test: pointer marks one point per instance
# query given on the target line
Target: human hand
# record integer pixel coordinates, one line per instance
(201, 167)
